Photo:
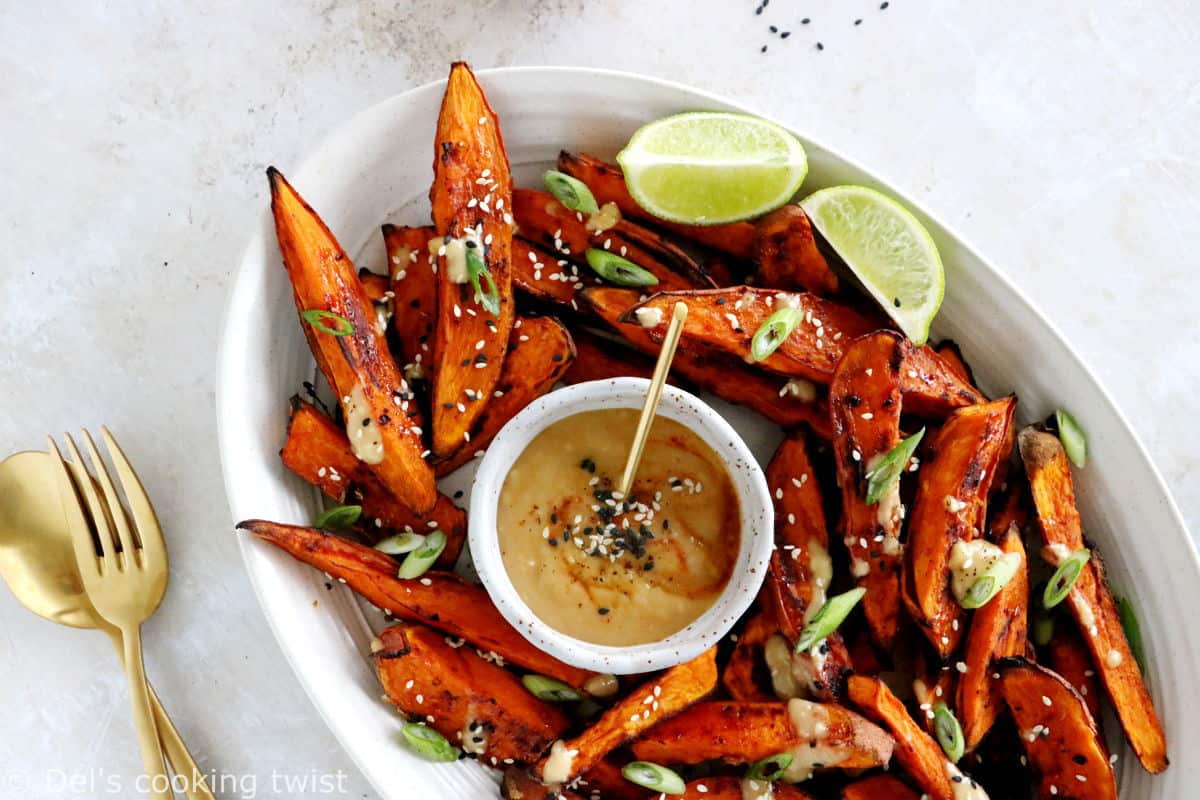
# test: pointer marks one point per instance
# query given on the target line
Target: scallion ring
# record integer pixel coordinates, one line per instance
(550, 690)
(774, 330)
(571, 192)
(1071, 435)
(889, 468)
(418, 562)
(400, 544)
(949, 732)
(620, 271)
(319, 318)
(828, 618)
(1064, 577)
(338, 518)
(476, 269)
(653, 777)
(994, 578)
(427, 743)
(770, 769)
(1133, 631)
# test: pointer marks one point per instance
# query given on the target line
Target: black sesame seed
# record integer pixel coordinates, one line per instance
(858, 22)
(805, 21)
(785, 34)
(721, 300)
(896, 302)
(773, 29)
(384, 419)
(883, 6)
(820, 46)
(602, 611)
(458, 495)
(764, 49)
(366, 421)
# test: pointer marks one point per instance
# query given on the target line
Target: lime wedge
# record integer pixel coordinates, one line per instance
(887, 248)
(707, 168)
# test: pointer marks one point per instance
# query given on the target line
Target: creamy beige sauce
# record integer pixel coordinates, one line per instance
(777, 652)
(607, 217)
(453, 252)
(618, 570)
(820, 567)
(473, 737)
(366, 437)
(602, 685)
(757, 790)
(970, 560)
(889, 512)
(963, 787)
(800, 389)
(811, 721)
(558, 763)
(649, 317)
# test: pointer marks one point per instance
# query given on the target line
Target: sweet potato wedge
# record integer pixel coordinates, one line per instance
(879, 787)
(317, 450)
(949, 351)
(603, 780)
(1058, 733)
(1069, 657)
(667, 695)
(481, 707)
(441, 600)
(997, 630)
(951, 506)
(598, 358)
(788, 257)
(864, 401)
(539, 354)
(547, 278)
(357, 366)
(727, 787)
(1090, 600)
(726, 377)
(472, 191)
(934, 684)
(414, 288)
(519, 784)
(740, 674)
(608, 186)
(817, 734)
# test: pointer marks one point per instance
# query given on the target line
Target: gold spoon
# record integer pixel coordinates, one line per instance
(37, 561)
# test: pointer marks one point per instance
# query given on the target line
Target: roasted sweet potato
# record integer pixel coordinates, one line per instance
(597, 358)
(358, 366)
(949, 351)
(879, 787)
(817, 734)
(547, 278)
(997, 630)
(414, 288)
(608, 186)
(317, 450)
(1090, 600)
(934, 684)
(441, 600)
(864, 400)
(788, 257)
(540, 352)
(519, 784)
(786, 403)
(471, 198)
(604, 781)
(740, 674)
(375, 285)
(951, 506)
(727, 787)
(1058, 733)
(667, 695)
(1069, 657)
(481, 707)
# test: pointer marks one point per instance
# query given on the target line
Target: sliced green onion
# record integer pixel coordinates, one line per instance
(319, 317)
(949, 732)
(338, 518)
(427, 743)
(571, 192)
(770, 769)
(828, 618)
(1064, 578)
(774, 330)
(1073, 439)
(550, 690)
(620, 271)
(1133, 631)
(993, 579)
(888, 469)
(418, 562)
(653, 777)
(476, 269)
(400, 544)
(1042, 629)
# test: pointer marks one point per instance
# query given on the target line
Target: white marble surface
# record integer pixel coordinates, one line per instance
(1058, 137)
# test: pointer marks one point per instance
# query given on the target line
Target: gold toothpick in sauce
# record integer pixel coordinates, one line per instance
(661, 370)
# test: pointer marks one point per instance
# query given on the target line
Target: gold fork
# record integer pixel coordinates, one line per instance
(124, 570)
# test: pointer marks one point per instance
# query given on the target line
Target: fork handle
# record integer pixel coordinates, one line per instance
(177, 752)
(143, 720)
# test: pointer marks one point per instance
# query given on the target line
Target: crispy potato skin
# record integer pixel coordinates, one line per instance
(788, 257)
(464, 151)
(323, 277)
(879, 787)
(540, 351)
(604, 777)
(1090, 600)
(317, 450)
(949, 351)
(608, 186)
(446, 602)
(674, 690)
(960, 466)
(414, 287)
(727, 787)
(539, 275)
(742, 733)
(1068, 744)
(739, 675)
(424, 676)
(997, 630)
(1069, 657)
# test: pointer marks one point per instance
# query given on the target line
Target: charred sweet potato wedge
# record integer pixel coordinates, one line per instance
(740, 674)
(471, 194)
(997, 630)
(414, 288)
(604, 780)
(597, 358)
(608, 186)
(539, 354)
(934, 684)
(519, 784)
(441, 600)
(1090, 600)
(949, 351)
(1058, 733)
(1069, 657)
(727, 787)
(742, 733)
(667, 695)
(358, 366)
(788, 257)
(475, 704)
(546, 278)
(953, 485)
(879, 787)
(864, 400)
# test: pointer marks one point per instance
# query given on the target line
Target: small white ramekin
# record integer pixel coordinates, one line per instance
(757, 518)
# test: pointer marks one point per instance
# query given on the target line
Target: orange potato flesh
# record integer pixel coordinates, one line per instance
(879, 787)
(727, 787)
(414, 286)
(788, 257)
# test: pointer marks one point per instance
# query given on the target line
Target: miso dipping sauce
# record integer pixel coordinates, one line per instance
(609, 569)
